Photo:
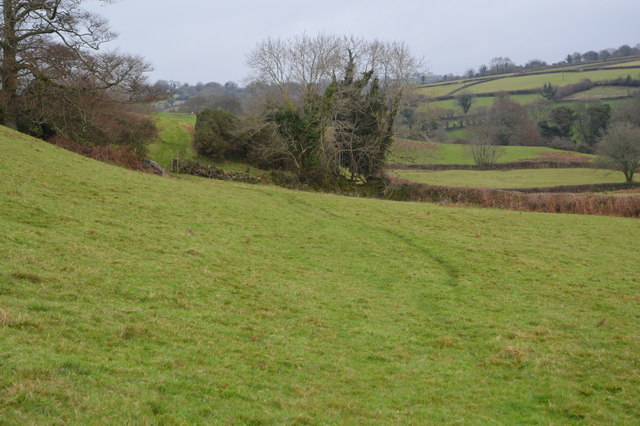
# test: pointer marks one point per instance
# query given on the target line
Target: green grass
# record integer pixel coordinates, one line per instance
(511, 178)
(602, 92)
(625, 64)
(127, 298)
(175, 135)
(439, 89)
(528, 82)
(458, 134)
(479, 102)
(413, 152)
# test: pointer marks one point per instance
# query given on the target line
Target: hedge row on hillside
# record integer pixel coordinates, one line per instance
(540, 202)
(595, 187)
(499, 166)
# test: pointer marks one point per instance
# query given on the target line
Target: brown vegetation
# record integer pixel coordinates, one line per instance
(558, 157)
(590, 204)
(120, 155)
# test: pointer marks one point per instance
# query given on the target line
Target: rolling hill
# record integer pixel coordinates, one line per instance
(523, 86)
(131, 298)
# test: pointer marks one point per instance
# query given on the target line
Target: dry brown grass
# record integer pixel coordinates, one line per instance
(5, 319)
(589, 204)
(557, 157)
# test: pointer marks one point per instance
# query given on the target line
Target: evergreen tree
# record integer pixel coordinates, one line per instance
(549, 92)
(362, 123)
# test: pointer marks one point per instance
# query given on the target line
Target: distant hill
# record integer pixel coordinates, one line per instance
(621, 77)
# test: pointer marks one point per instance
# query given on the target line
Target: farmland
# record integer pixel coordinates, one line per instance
(129, 298)
(413, 152)
(533, 80)
(528, 82)
(174, 138)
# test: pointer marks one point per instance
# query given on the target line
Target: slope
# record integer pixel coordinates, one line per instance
(129, 298)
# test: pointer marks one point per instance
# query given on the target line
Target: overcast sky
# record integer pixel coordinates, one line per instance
(204, 40)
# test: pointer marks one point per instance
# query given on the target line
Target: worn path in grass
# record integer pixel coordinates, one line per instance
(129, 298)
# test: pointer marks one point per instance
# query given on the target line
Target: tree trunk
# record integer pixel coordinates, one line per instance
(9, 69)
(629, 175)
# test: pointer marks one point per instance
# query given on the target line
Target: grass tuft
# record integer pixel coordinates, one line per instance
(28, 276)
(5, 319)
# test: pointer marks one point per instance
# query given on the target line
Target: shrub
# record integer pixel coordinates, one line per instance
(214, 136)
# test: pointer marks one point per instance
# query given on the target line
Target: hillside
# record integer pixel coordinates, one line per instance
(528, 80)
(130, 298)
(523, 86)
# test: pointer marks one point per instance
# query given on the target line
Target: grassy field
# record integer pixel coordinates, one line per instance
(511, 82)
(625, 64)
(511, 178)
(127, 298)
(528, 82)
(602, 92)
(413, 152)
(174, 138)
(439, 89)
(479, 102)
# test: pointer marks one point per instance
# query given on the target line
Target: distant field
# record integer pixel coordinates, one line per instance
(479, 102)
(511, 178)
(438, 90)
(414, 152)
(625, 64)
(175, 134)
(510, 82)
(453, 135)
(528, 82)
(602, 92)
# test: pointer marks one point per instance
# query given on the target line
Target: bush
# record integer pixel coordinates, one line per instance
(215, 137)
(118, 155)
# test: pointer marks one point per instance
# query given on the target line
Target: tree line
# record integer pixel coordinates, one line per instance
(504, 65)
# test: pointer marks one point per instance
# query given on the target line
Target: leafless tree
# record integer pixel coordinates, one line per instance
(483, 149)
(620, 148)
(309, 63)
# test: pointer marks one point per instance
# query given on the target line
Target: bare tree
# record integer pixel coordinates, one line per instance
(305, 63)
(27, 26)
(620, 148)
(483, 149)
(502, 65)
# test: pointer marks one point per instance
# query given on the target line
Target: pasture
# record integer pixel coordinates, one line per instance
(536, 81)
(174, 138)
(127, 298)
(404, 151)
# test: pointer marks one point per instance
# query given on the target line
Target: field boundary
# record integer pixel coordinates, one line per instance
(519, 165)
(571, 203)
(591, 187)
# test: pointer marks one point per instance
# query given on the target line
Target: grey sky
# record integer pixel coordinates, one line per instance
(199, 40)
